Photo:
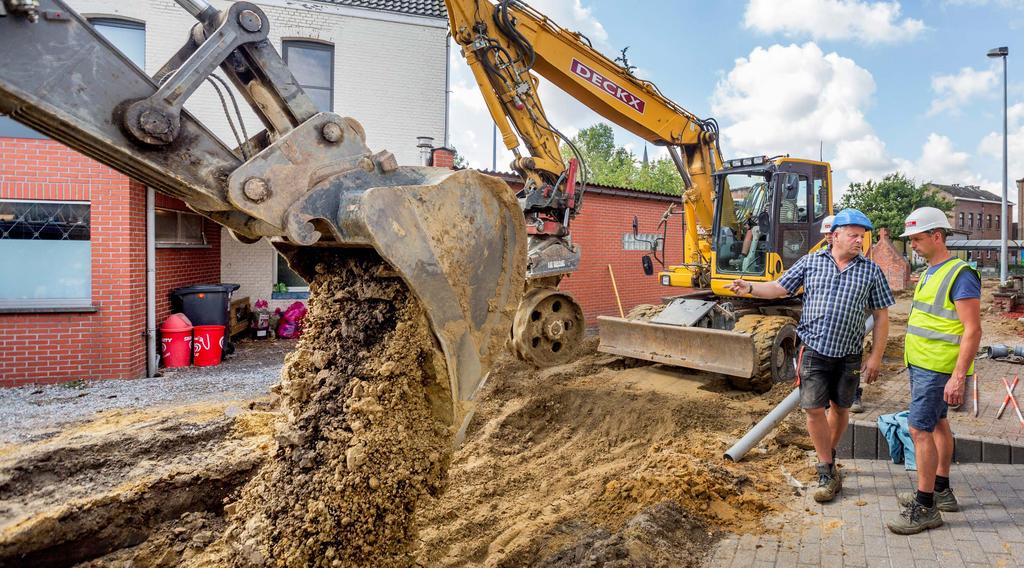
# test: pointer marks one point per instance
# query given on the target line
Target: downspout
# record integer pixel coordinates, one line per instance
(447, 83)
(151, 352)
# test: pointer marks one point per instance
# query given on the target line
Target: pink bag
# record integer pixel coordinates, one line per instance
(290, 326)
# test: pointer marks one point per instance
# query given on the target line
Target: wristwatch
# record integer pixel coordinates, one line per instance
(751, 291)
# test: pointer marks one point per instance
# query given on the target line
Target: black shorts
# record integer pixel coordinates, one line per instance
(824, 379)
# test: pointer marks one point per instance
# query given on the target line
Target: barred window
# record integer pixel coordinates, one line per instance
(179, 229)
(312, 64)
(47, 254)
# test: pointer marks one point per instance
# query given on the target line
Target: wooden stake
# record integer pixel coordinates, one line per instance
(616, 289)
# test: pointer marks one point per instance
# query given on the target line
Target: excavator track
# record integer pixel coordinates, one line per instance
(775, 345)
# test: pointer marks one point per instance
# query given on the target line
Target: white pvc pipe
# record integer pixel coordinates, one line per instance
(762, 428)
(151, 352)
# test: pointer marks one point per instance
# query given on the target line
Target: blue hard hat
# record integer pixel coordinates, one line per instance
(852, 216)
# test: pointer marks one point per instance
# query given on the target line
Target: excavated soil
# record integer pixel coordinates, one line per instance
(363, 436)
(596, 463)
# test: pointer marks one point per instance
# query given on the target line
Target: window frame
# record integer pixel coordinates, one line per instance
(179, 244)
(54, 305)
(307, 43)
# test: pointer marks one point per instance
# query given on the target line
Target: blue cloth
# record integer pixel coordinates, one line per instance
(896, 431)
(836, 303)
(927, 400)
(966, 285)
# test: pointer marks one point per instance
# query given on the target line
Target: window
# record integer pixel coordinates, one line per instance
(285, 275)
(997, 223)
(989, 221)
(129, 37)
(47, 254)
(178, 229)
(313, 66)
(988, 255)
(820, 199)
(642, 241)
(960, 223)
(970, 220)
(794, 203)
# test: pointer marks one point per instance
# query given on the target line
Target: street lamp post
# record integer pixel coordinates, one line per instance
(1002, 52)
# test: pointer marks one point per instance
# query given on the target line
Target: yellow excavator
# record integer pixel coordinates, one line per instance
(750, 217)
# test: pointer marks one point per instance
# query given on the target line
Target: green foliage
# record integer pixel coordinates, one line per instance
(888, 202)
(609, 164)
(459, 161)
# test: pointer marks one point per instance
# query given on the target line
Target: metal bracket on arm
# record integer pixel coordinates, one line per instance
(156, 119)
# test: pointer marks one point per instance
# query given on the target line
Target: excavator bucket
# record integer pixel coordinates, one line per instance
(714, 350)
(457, 238)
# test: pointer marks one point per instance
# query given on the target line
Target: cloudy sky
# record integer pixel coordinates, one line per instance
(881, 86)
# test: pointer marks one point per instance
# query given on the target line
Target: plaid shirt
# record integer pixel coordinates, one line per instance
(836, 303)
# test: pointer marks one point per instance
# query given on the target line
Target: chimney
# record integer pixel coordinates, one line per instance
(443, 158)
(426, 145)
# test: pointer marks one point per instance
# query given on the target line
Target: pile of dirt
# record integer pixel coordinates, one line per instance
(363, 436)
(108, 484)
(569, 460)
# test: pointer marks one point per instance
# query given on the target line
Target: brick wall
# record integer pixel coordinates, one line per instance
(178, 267)
(109, 342)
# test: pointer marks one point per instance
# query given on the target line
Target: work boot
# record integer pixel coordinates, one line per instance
(945, 501)
(857, 407)
(830, 481)
(914, 518)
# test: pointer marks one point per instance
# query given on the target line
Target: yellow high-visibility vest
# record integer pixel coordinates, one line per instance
(934, 329)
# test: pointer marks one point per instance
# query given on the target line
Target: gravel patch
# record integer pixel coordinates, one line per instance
(34, 412)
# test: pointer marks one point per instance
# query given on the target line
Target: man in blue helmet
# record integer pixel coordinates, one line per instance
(841, 287)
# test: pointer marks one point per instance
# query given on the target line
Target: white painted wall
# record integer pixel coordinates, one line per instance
(389, 72)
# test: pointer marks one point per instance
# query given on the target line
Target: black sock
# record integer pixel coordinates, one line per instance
(926, 499)
(833, 455)
(941, 483)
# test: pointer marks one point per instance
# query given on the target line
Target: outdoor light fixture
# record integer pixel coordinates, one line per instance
(1003, 253)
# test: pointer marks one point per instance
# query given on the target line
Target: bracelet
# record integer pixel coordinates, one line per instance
(751, 284)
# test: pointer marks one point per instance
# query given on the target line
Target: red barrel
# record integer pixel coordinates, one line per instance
(176, 341)
(208, 345)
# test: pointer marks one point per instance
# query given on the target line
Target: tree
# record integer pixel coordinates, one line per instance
(888, 202)
(609, 164)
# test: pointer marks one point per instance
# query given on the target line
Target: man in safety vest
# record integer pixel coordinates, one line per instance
(841, 287)
(943, 334)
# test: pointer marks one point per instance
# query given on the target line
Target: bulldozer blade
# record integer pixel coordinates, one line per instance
(714, 350)
(456, 238)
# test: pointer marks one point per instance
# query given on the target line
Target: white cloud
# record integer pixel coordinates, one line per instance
(860, 20)
(470, 127)
(954, 91)
(790, 99)
(863, 158)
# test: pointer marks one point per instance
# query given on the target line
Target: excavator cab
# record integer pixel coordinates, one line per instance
(769, 214)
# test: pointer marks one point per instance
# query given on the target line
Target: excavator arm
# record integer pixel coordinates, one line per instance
(307, 180)
(509, 44)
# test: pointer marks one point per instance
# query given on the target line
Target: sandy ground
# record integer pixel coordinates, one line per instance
(600, 462)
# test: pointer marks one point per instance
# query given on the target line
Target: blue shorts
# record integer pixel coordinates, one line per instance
(927, 404)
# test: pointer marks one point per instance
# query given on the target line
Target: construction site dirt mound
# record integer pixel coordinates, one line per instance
(363, 433)
(108, 484)
(577, 459)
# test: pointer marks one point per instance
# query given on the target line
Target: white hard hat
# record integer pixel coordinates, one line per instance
(826, 224)
(925, 219)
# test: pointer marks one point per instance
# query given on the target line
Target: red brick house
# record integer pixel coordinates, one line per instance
(976, 218)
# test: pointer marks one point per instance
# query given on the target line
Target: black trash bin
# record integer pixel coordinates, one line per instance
(206, 304)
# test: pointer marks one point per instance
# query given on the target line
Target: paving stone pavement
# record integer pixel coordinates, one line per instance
(851, 531)
(892, 394)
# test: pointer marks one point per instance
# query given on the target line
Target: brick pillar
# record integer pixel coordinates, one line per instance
(895, 267)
